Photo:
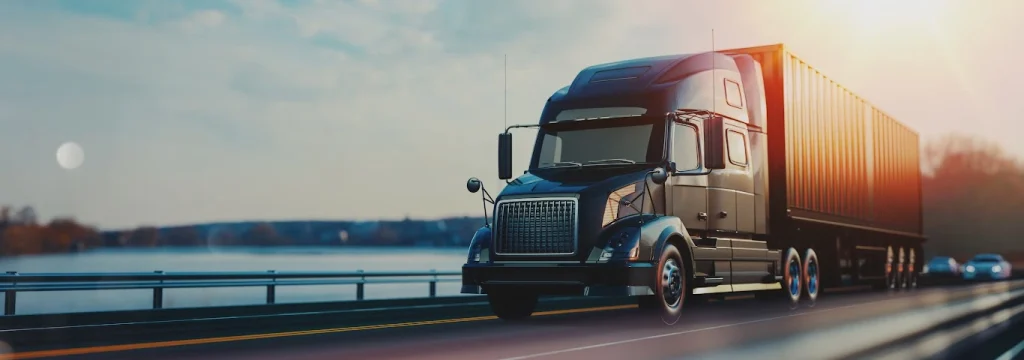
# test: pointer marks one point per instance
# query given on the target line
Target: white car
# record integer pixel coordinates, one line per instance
(986, 267)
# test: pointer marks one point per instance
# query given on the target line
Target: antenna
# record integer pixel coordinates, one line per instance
(714, 78)
(506, 90)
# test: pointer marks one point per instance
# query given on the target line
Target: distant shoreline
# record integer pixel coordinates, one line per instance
(68, 236)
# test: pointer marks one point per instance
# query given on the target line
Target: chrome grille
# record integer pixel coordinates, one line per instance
(536, 226)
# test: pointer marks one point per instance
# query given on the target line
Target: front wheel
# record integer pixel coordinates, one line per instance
(671, 285)
(512, 305)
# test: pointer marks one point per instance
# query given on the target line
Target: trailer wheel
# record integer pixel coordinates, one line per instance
(810, 275)
(791, 275)
(890, 273)
(912, 269)
(509, 305)
(671, 289)
(901, 269)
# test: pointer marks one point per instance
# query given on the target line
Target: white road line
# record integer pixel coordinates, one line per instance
(1012, 353)
(613, 343)
(945, 296)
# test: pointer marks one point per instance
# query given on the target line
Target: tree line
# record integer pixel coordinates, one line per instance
(973, 199)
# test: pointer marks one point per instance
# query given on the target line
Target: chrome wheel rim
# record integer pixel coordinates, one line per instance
(671, 283)
(793, 278)
(812, 277)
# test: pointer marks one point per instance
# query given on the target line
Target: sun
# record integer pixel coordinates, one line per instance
(70, 155)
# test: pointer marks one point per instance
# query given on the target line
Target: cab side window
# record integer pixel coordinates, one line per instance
(686, 148)
(737, 144)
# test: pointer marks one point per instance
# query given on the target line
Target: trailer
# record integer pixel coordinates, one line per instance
(680, 176)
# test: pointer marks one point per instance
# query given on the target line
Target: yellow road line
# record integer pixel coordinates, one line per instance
(162, 344)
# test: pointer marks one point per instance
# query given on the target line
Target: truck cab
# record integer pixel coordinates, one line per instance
(648, 178)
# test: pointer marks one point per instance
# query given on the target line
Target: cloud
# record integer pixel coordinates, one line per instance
(204, 19)
(248, 109)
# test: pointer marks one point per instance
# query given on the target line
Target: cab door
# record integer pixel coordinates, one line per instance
(689, 192)
(690, 201)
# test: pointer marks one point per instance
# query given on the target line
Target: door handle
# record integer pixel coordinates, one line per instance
(723, 214)
(702, 216)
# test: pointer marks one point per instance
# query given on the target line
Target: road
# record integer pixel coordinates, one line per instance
(744, 328)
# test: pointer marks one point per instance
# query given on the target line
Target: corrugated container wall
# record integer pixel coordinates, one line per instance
(840, 158)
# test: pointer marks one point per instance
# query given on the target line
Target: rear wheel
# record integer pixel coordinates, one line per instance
(671, 285)
(811, 276)
(890, 269)
(791, 275)
(509, 305)
(912, 269)
(901, 269)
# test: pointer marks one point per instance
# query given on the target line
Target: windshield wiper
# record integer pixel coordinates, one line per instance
(612, 161)
(563, 164)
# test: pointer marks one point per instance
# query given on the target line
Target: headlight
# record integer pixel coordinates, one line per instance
(997, 268)
(608, 253)
(969, 268)
(924, 269)
(619, 203)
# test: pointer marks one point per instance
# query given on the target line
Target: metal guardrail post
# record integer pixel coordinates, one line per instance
(361, 286)
(10, 297)
(271, 289)
(158, 293)
(433, 283)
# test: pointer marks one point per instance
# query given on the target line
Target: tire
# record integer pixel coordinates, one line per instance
(810, 275)
(670, 290)
(912, 269)
(512, 306)
(792, 275)
(901, 273)
(890, 269)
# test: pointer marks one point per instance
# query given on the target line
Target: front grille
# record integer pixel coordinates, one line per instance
(536, 227)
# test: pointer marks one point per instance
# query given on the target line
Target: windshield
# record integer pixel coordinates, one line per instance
(986, 259)
(600, 142)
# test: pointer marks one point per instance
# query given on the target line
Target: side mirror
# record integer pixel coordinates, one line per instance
(505, 156)
(473, 185)
(672, 168)
(714, 143)
(659, 176)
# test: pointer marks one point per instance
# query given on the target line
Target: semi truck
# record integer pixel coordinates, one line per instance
(673, 177)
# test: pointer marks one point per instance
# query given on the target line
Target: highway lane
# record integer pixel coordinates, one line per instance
(614, 332)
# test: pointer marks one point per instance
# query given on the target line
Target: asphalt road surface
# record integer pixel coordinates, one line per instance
(745, 327)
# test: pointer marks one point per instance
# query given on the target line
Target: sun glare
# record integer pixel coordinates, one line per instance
(877, 16)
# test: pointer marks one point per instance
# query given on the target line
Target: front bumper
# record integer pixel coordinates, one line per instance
(984, 275)
(561, 279)
(940, 274)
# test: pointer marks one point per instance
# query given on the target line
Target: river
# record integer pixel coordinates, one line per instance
(230, 259)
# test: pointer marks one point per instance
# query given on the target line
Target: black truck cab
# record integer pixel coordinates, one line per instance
(627, 162)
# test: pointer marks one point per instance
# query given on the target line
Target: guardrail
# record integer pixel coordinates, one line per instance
(13, 282)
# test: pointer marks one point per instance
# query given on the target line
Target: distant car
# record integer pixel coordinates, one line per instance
(986, 267)
(941, 266)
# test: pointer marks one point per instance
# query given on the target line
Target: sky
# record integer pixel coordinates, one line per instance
(223, 110)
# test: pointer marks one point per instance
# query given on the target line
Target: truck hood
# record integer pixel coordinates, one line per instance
(584, 181)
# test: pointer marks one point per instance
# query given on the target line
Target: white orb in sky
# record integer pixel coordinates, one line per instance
(70, 155)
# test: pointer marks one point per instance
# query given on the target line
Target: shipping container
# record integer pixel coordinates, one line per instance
(833, 156)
